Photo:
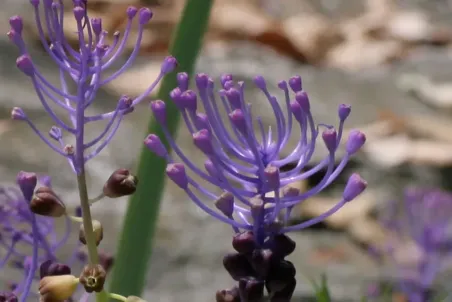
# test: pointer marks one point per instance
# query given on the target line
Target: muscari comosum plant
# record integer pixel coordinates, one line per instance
(235, 157)
(256, 199)
(87, 68)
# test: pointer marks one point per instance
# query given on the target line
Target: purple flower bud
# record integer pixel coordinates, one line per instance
(225, 78)
(233, 96)
(27, 183)
(282, 85)
(211, 169)
(261, 259)
(55, 133)
(14, 37)
(51, 268)
(295, 83)
(96, 24)
(18, 114)
(259, 81)
(145, 15)
(176, 172)
(228, 85)
(238, 120)
(8, 297)
(120, 183)
(202, 121)
(295, 108)
(16, 24)
(237, 266)
(356, 140)
(46, 203)
(355, 186)
(272, 178)
(175, 96)
(303, 99)
(330, 138)
(182, 81)
(244, 242)
(189, 99)
(158, 107)
(252, 289)
(344, 111)
(79, 13)
(131, 12)
(282, 245)
(225, 203)
(125, 104)
(203, 141)
(25, 65)
(168, 65)
(202, 81)
(154, 144)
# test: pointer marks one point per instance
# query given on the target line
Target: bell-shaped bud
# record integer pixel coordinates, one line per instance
(18, 114)
(97, 229)
(330, 139)
(238, 266)
(25, 64)
(176, 172)
(281, 291)
(120, 183)
(79, 13)
(295, 84)
(225, 78)
(16, 24)
(93, 278)
(51, 268)
(238, 120)
(259, 81)
(131, 12)
(154, 144)
(57, 288)
(282, 245)
(158, 107)
(251, 289)
(145, 14)
(356, 140)
(244, 242)
(46, 203)
(8, 297)
(182, 81)
(56, 133)
(344, 111)
(228, 295)
(202, 81)
(96, 25)
(169, 64)
(202, 139)
(210, 168)
(303, 99)
(355, 186)
(234, 98)
(27, 183)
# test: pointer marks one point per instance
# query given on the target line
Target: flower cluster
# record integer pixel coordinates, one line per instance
(88, 69)
(421, 221)
(256, 198)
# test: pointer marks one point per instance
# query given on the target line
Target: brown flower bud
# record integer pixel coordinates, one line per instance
(134, 299)
(57, 288)
(97, 229)
(46, 203)
(93, 278)
(120, 183)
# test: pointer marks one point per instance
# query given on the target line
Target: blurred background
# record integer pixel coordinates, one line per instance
(391, 60)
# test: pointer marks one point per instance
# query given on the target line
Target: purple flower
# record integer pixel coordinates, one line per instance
(86, 67)
(257, 198)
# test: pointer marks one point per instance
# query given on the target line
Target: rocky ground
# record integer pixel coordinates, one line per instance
(186, 263)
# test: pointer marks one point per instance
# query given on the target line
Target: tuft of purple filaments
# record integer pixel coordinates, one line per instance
(245, 164)
(423, 218)
(86, 67)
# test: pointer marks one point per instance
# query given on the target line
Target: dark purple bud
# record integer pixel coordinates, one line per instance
(202, 121)
(210, 83)
(120, 183)
(355, 186)
(16, 24)
(79, 13)
(46, 203)
(233, 96)
(158, 107)
(51, 268)
(285, 291)
(96, 24)
(18, 114)
(225, 203)
(228, 295)
(295, 108)
(27, 183)
(25, 65)
(282, 85)
(330, 138)
(106, 261)
(154, 144)
(238, 120)
(225, 78)
(202, 81)
(344, 111)
(237, 266)
(145, 14)
(280, 275)
(244, 242)
(259, 81)
(203, 141)
(168, 65)
(228, 85)
(261, 261)
(356, 140)
(93, 278)
(189, 100)
(282, 245)
(35, 3)
(295, 83)
(303, 99)
(55, 133)
(125, 104)
(14, 37)
(251, 289)
(182, 81)
(272, 178)
(131, 12)
(97, 229)
(176, 172)
(175, 96)
(210, 168)
(8, 297)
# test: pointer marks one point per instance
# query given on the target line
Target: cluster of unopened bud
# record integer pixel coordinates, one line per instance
(256, 268)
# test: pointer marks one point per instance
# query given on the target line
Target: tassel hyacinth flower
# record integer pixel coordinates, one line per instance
(256, 199)
(87, 68)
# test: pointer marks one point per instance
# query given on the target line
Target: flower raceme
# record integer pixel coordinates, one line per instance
(86, 67)
(239, 157)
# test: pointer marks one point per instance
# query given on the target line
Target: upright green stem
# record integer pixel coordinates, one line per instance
(88, 226)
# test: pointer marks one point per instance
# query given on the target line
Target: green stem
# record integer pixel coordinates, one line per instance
(88, 226)
(134, 251)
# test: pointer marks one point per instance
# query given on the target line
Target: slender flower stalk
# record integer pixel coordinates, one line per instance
(257, 198)
(87, 68)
